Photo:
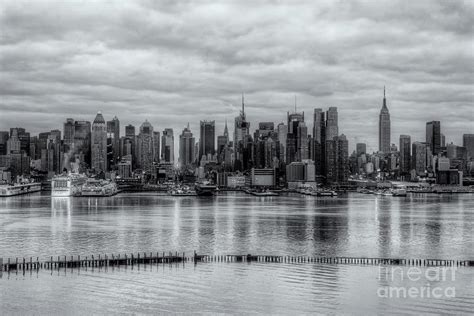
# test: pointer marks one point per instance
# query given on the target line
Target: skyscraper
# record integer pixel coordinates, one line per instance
(468, 143)
(433, 136)
(361, 148)
(302, 150)
(207, 139)
(317, 124)
(405, 154)
(69, 132)
(186, 148)
(384, 127)
(241, 130)
(24, 138)
(418, 160)
(337, 160)
(223, 146)
(282, 135)
(99, 144)
(130, 135)
(113, 139)
(222, 142)
(13, 143)
(82, 141)
(4, 135)
(167, 145)
(226, 131)
(294, 138)
(145, 147)
(43, 149)
(55, 159)
(319, 139)
(332, 127)
(156, 146)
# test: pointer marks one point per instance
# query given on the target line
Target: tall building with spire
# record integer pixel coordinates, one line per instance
(99, 144)
(226, 131)
(222, 143)
(241, 131)
(384, 127)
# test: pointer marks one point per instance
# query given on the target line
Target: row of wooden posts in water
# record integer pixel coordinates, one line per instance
(155, 258)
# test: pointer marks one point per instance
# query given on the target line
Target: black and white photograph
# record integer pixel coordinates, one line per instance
(265, 157)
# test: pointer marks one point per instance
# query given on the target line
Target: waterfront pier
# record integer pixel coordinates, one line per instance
(105, 260)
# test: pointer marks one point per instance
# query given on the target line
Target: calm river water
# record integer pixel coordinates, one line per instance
(418, 226)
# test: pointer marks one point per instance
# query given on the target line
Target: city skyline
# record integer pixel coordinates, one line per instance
(176, 67)
(236, 157)
(421, 132)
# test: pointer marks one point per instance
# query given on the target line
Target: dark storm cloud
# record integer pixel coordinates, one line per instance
(173, 62)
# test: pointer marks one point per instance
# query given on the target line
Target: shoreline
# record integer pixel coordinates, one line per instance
(223, 192)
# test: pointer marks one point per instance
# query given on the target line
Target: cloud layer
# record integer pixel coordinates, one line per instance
(174, 62)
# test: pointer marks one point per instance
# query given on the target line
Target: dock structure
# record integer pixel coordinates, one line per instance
(169, 257)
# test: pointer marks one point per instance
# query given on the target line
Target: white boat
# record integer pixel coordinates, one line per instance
(67, 185)
(94, 187)
(326, 193)
(263, 193)
(205, 188)
(19, 188)
(399, 192)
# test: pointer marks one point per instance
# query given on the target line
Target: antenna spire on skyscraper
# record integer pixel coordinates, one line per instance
(226, 131)
(295, 103)
(243, 106)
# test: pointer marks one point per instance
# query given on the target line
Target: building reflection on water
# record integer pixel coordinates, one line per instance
(61, 204)
(231, 223)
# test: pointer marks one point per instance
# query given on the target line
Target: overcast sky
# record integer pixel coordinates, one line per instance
(179, 61)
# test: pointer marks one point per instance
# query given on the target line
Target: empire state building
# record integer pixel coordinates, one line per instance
(384, 127)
